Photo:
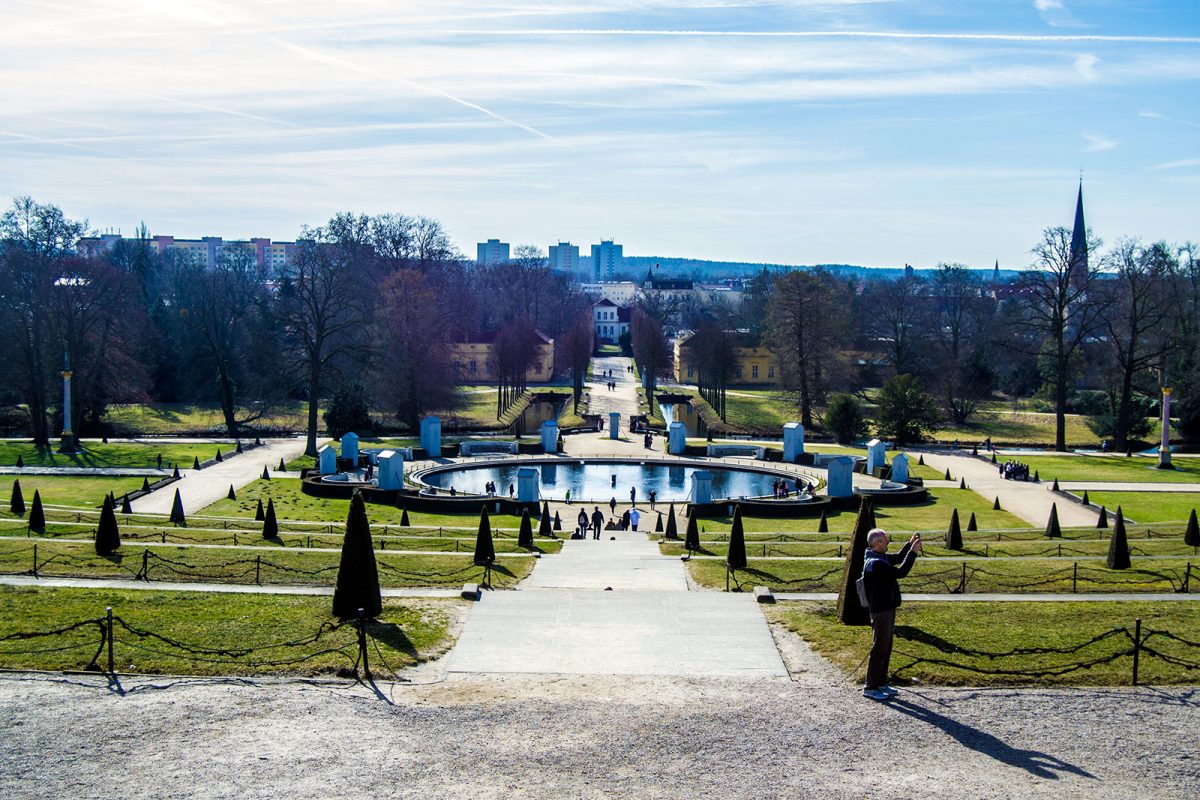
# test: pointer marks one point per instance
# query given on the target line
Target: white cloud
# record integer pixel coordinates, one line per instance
(1047, 5)
(1097, 143)
(1085, 65)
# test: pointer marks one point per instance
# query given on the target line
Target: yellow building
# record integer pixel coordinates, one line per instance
(474, 359)
(753, 365)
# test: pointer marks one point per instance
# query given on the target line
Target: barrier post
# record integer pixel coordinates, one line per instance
(962, 579)
(35, 559)
(1137, 647)
(1074, 578)
(1187, 578)
(362, 641)
(258, 569)
(109, 625)
(146, 564)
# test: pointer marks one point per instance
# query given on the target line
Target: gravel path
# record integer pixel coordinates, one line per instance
(525, 736)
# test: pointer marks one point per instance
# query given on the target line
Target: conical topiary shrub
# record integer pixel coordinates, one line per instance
(1102, 520)
(1053, 529)
(993, 456)
(20, 462)
(259, 514)
(962, 483)
(37, 515)
(1036, 477)
(126, 506)
(658, 525)
(282, 466)
(545, 512)
(266, 476)
(921, 459)
(691, 537)
(544, 523)
(971, 524)
(1085, 498)
(849, 610)
(1191, 536)
(358, 575)
(557, 522)
(232, 494)
(239, 449)
(177, 515)
(525, 534)
(270, 524)
(17, 503)
(108, 535)
(672, 531)
(947, 477)
(195, 462)
(954, 532)
(219, 457)
(485, 548)
(996, 503)
(1054, 486)
(1118, 544)
(823, 525)
(175, 474)
(405, 522)
(736, 557)
(145, 484)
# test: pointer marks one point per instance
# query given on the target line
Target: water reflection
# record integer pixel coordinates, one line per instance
(599, 481)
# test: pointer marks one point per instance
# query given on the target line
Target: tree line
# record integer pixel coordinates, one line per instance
(367, 308)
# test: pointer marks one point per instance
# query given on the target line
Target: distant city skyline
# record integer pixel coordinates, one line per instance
(813, 131)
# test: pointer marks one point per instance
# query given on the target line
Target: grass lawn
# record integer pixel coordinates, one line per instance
(67, 490)
(942, 576)
(292, 504)
(115, 454)
(972, 643)
(188, 419)
(408, 631)
(239, 565)
(833, 546)
(1149, 506)
(933, 514)
(1017, 427)
(1135, 469)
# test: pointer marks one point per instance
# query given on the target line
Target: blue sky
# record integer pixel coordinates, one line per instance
(876, 133)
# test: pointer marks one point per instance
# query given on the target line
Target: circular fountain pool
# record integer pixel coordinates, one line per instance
(597, 481)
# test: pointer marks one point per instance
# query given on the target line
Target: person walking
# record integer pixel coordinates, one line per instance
(653, 497)
(881, 575)
(583, 522)
(612, 505)
(634, 516)
(597, 522)
(633, 495)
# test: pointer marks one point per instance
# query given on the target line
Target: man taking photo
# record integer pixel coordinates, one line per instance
(881, 575)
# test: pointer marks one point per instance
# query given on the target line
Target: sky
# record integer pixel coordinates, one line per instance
(814, 131)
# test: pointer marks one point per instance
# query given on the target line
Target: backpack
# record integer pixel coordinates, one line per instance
(861, 585)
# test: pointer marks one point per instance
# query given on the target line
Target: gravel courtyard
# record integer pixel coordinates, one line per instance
(586, 737)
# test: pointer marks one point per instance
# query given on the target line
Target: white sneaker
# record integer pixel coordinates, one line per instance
(876, 694)
(889, 691)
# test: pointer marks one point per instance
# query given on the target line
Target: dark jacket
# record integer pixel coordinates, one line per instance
(883, 572)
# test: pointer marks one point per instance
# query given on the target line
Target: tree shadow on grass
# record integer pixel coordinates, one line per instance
(1034, 762)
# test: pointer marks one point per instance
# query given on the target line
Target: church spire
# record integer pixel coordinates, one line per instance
(1079, 249)
(996, 272)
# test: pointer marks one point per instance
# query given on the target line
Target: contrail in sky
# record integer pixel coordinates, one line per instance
(983, 37)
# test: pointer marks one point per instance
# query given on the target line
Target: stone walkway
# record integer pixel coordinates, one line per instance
(615, 606)
(199, 488)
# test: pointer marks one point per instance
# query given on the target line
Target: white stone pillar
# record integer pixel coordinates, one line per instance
(1164, 449)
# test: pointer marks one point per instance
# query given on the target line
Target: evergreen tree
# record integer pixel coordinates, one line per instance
(1191, 537)
(485, 548)
(1102, 520)
(823, 525)
(1118, 545)
(691, 538)
(108, 535)
(270, 524)
(232, 495)
(544, 522)
(358, 575)
(37, 516)
(736, 557)
(849, 610)
(404, 521)
(177, 515)
(658, 525)
(1053, 529)
(954, 533)
(525, 535)
(672, 531)
(259, 515)
(17, 504)
(126, 506)
(972, 525)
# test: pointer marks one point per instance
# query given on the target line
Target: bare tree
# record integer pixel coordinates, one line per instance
(712, 349)
(806, 327)
(650, 349)
(513, 351)
(1058, 310)
(415, 373)
(325, 305)
(893, 309)
(575, 351)
(959, 314)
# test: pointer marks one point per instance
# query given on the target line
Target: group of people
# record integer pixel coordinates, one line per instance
(490, 488)
(1014, 471)
(783, 490)
(648, 441)
(611, 385)
(595, 523)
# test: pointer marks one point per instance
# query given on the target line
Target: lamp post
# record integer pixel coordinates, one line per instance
(68, 436)
(1164, 449)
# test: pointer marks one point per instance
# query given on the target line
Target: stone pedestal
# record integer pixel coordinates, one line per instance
(793, 442)
(327, 460)
(900, 468)
(1164, 449)
(614, 425)
(431, 436)
(840, 482)
(527, 485)
(550, 436)
(701, 486)
(350, 447)
(677, 439)
(390, 473)
(876, 455)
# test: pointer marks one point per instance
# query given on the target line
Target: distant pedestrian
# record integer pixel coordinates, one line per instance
(625, 521)
(633, 495)
(634, 516)
(612, 505)
(511, 491)
(583, 522)
(597, 521)
(653, 497)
